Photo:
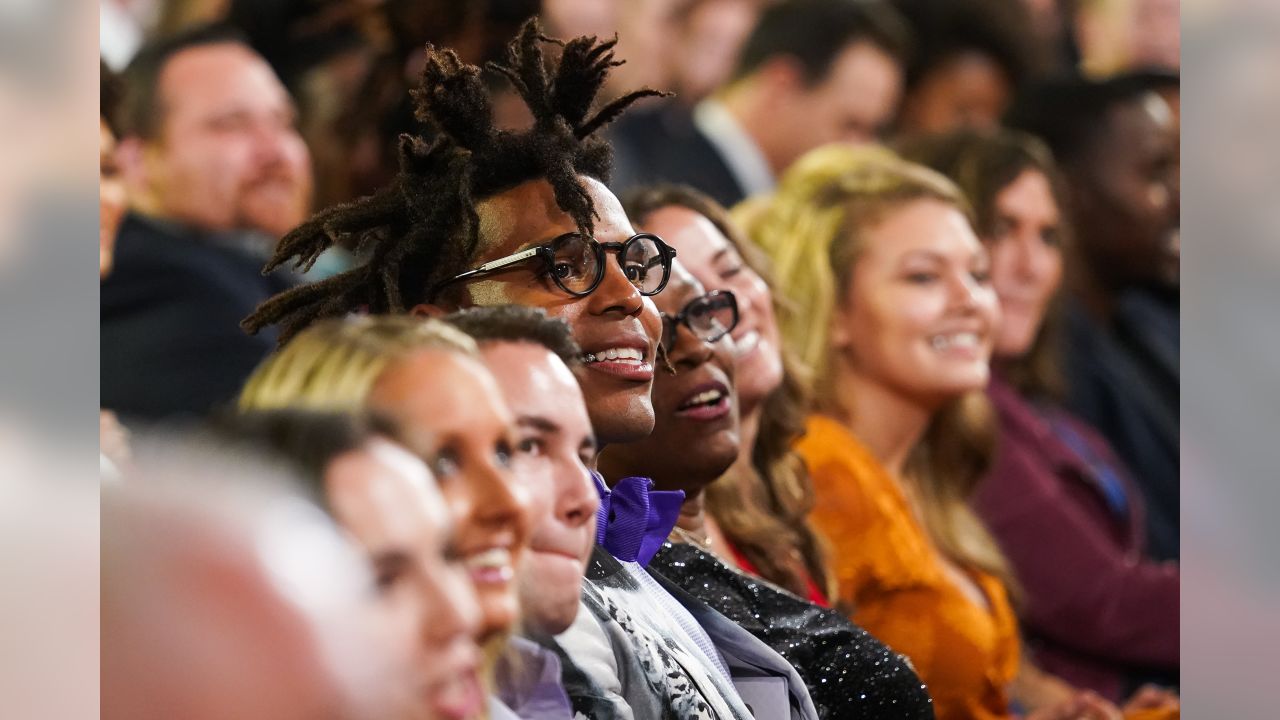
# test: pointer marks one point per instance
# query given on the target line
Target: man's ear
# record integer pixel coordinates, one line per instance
(131, 154)
(428, 310)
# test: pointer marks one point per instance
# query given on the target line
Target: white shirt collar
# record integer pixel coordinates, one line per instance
(737, 148)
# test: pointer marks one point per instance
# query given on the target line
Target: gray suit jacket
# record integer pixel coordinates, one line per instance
(748, 657)
(655, 684)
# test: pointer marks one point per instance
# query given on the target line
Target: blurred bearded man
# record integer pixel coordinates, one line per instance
(216, 173)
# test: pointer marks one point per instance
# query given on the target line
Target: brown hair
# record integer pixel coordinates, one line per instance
(983, 164)
(815, 228)
(518, 324)
(761, 508)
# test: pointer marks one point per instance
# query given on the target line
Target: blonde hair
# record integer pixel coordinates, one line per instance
(334, 364)
(815, 229)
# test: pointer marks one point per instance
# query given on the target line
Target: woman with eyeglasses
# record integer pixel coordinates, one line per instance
(757, 511)
(697, 436)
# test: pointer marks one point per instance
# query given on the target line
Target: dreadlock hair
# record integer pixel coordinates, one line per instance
(518, 323)
(763, 507)
(424, 227)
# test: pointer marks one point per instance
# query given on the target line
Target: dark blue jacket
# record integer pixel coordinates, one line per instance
(660, 143)
(1123, 380)
(171, 310)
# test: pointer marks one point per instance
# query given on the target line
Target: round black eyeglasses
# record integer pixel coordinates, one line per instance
(709, 317)
(576, 264)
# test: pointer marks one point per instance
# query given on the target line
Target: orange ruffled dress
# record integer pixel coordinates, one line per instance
(891, 575)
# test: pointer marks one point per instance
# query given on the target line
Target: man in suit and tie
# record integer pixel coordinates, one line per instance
(812, 72)
(216, 173)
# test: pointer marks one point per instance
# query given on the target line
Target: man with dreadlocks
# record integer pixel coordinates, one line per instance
(482, 217)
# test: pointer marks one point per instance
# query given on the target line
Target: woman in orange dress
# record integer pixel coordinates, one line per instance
(960, 633)
(893, 319)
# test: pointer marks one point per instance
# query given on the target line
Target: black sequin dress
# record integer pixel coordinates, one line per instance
(850, 674)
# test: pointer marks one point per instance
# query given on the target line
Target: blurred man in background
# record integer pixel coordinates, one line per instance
(812, 72)
(1117, 143)
(708, 35)
(216, 173)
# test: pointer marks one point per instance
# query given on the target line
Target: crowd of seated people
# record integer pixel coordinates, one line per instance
(841, 399)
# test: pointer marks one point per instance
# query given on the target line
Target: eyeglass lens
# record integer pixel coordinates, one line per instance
(577, 269)
(576, 265)
(709, 317)
(712, 317)
(642, 262)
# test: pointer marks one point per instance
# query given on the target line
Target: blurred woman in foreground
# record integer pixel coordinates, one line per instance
(426, 377)
(386, 500)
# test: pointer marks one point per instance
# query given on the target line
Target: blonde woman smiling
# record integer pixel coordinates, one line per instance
(894, 319)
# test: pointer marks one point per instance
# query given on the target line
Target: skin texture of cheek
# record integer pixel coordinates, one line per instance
(276, 210)
(619, 411)
(199, 186)
(890, 339)
(550, 586)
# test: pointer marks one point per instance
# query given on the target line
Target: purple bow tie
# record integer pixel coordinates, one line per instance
(633, 521)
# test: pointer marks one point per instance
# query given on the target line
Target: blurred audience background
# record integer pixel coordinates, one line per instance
(1049, 504)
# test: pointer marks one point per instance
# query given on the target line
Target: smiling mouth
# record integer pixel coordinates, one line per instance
(490, 567)
(963, 341)
(627, 363)
(708, 403)
(746, 344)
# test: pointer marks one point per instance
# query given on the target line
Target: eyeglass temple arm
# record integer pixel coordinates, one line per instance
(491, 266)
(506, 261)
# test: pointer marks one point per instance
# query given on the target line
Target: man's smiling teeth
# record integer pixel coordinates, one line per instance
(622, 354)
(965, 340)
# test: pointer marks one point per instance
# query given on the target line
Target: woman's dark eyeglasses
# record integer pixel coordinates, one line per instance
(709, 317)
(576, 264)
